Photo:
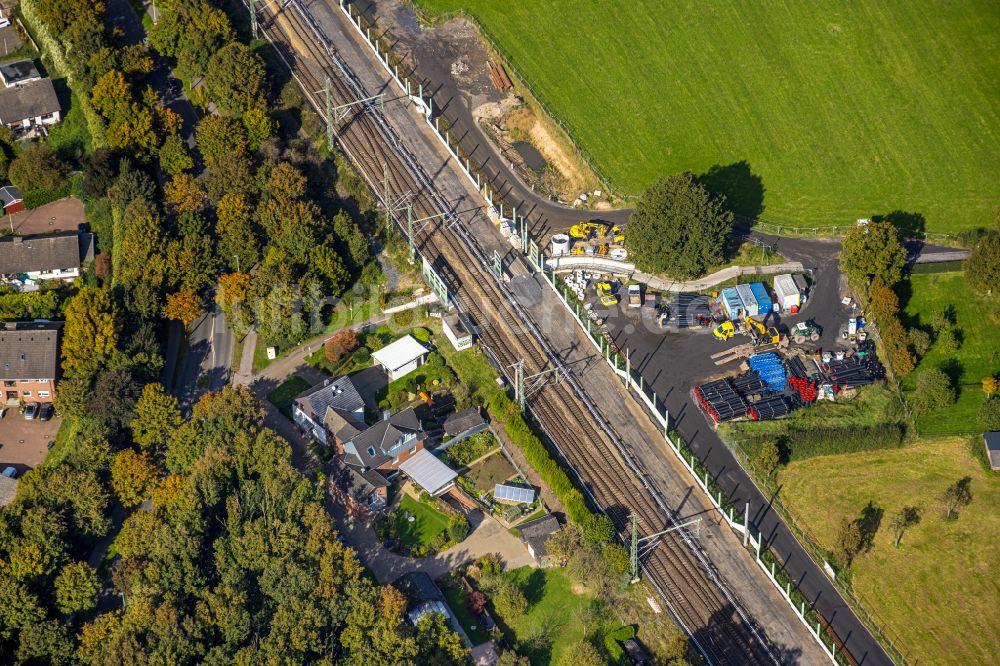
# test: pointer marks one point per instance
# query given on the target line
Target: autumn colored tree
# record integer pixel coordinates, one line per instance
(286, 183)
(157, 416)
(340, 343)
(219, 138)
(102, 265)
(174, 155)
(259, 126)
(989, 385)
(239, 245)
(183, 194)
(883, 301)
(60, 14)
(112, 95)
(90, 335)
(233, 288)
(77, 587)
(135, 59)
(184, 306)
(133, 476)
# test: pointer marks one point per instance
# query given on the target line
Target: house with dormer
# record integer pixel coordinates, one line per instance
(385, 445)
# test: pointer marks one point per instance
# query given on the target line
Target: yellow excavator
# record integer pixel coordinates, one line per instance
(586, 230)
(606, 292)
(760, 334)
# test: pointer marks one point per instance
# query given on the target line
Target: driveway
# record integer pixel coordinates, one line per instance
(24, 444)
(486, 536)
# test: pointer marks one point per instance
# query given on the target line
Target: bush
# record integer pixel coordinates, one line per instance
(920, 340)
(458, 527)
(421, 334)
(597, 530)
(614, 639)
(472, 448)
(617, 557)
(510, 601)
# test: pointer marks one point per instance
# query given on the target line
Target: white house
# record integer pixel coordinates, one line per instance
(54, 256)
(19, 73)
(331, 409)
(457, 332)
(30, 105)
(401, 357)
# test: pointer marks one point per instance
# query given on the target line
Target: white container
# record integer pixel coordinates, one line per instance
(786, 294)
(560, 244)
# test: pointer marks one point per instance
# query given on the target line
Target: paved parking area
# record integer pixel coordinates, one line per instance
(24, 444)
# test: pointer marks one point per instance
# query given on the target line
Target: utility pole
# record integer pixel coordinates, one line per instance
(388, 207)
(253, 18)
(409, 232)
(519, 397)
(651, 542)
(634, 551)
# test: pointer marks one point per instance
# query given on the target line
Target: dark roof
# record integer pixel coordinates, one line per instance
(41, 252)
(418, 587)
(992, 441)
(358, 485)
(381, 437)
(37, 98)
(635, 651)
(29, 350)
(19, 70)
(10, 194)
(463, 421)
(535, 532)
(339, 394)
(342, 424)
(88, 250)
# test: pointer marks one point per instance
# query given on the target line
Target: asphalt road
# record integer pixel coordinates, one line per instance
(206, 360)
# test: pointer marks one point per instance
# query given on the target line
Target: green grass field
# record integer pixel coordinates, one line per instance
(938, 593)
(282, 396)
(428, 522)
(978, 356)
(842, 110)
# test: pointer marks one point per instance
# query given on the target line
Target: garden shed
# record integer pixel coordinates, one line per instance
(401, 357)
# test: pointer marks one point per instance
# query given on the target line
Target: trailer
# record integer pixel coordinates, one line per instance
(786, 293)
(750, 308)
(731, 303)
(759, 292)
(634, 296)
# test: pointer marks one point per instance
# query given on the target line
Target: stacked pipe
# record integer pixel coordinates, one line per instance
(720, 400)
(797, 368)
(849, 373)
(748, 383)
(771, 407)
(805, 387)
(770, 369)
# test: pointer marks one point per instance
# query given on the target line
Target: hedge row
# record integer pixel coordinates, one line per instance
(506, 412)
(801, 443)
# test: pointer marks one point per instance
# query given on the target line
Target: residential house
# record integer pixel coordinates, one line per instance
(457, 331)
(330, 410)
(385, 445)
(534, 533)
(424, 597)
(19, 73)
(992, 441)
(361, 492)
(465, 423)
(401, 357)
(29, 361)
(51, 256)
(12, 200)
(29, 106)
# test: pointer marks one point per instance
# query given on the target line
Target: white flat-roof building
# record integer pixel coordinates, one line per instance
(428, 472)
(457, 332)
(401, 357)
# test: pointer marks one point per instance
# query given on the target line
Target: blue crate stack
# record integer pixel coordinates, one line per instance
(770, 369)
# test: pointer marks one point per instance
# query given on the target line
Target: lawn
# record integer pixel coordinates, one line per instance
(806, 113)
(456, 596)
(938, 593)
(427, 524)
(552, 622)
(978, 356)
(282, 396)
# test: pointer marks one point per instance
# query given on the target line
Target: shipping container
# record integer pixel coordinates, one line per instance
(763, 299)
(731, 302)
(749, 302)
(786, 293)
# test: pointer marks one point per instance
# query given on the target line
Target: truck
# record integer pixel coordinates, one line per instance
(634, 296)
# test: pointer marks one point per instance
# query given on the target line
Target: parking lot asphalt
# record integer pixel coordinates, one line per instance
(24, 444)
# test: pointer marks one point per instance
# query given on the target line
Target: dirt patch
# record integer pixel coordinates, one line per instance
(454, 60)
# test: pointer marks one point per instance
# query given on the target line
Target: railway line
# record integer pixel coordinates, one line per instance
(681, 573)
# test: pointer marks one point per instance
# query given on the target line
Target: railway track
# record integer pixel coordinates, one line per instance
(682, 575)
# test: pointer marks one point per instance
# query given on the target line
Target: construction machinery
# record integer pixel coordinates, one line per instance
(618, 234)
(587, 230)
(606, 291)
(760, 334)
(805, 331)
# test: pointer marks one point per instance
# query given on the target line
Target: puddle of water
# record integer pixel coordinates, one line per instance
(532, 158)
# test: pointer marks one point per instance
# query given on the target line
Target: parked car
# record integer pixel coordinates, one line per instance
(10, 472)
(4, 22)
(46, 411)
(31, 411)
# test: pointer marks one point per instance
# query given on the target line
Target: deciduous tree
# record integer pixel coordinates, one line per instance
(989, 385)
(510, 601)
(157, 416)
(37, 168)
(982, 268)
(329, 268)
(286, 183)
(957, 495)
(133, 476)
(768, 457)
(259, 126)
(581, 654)
(902, 520)
(184, 306)
(989, 414)
(77, 587)
(220, 138)
(235, 79)
(174, 155)
(678, 228)
(873, 250)
(340, 343)
(848, 540)
(883, 302)
(90, 335)
(183, 194)
(934, 391)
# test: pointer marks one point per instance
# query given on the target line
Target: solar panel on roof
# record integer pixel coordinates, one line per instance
(514, 493)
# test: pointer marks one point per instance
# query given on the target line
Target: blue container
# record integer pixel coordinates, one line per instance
(731, 302)
(763, 300)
